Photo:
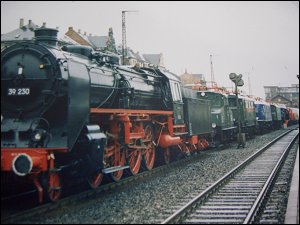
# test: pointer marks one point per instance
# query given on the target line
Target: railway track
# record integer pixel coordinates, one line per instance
(92, 194)
(12, 216)
(238, 196)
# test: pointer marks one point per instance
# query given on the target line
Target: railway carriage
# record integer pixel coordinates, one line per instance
(293, 115)
(246, 113)
(263, 115)
(276, 116)
(284, 114)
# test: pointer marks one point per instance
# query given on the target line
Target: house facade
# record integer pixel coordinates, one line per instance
(96, 42)
(284, 95)
(73, 37)
(25, 32)
(189, 79)
(22, 33)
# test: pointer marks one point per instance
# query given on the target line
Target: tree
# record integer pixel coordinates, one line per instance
(111, 44)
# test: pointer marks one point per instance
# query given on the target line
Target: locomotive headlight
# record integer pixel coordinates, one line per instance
(213, 125)
(38, 135)
(256, 118)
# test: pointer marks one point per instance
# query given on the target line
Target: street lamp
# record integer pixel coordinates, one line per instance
(238, 81)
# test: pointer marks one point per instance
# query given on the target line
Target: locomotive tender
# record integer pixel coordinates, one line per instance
(71, 112)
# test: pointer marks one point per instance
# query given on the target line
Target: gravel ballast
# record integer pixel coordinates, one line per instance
(145, 201)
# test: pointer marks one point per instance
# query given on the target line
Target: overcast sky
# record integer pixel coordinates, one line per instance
(256, 39)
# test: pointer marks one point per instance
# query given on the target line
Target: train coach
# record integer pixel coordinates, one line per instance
(263, 115)
(293, 115)
(246, 114)
(277, 121)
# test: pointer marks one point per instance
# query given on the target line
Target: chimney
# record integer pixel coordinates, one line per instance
(44, 24)
(85, 33)
(21, 23)
(46, 36)
(79, 31)
(29, 23)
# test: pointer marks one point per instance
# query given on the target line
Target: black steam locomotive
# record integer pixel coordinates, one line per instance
(73, 112)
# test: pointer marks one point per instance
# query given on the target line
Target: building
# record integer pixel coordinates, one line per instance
(23, 32)
(138, 59)
(155, 59)
(283, 95)
(102, 43)
(189, 79)
(96, 42)
(135, 59)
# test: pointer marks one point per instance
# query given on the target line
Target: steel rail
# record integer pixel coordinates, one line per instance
(203, 196)
(253, 211)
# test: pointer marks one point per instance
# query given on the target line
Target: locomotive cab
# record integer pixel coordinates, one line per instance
(177, 102)
(172, 84)
(221, 114)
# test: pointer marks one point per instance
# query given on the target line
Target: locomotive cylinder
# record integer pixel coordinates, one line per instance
(167, 140)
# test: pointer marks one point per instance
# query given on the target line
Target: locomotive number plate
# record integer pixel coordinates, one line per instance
(18, 91)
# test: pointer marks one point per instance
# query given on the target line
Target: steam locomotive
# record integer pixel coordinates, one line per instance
(71, 113)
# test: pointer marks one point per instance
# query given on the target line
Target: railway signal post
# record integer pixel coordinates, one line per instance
(238, 81)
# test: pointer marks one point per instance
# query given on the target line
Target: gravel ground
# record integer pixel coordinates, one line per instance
(144, 201)
(275, 209)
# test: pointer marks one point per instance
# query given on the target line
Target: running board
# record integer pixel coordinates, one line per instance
(114, 169)
(180, 134)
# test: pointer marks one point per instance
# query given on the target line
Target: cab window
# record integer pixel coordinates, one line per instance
(176, 91)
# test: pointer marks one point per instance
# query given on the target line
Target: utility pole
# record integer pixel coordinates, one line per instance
(212, 72)
(249, 85)
(124, 47)
(249, 82)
